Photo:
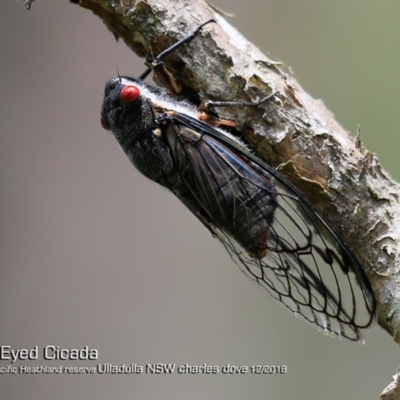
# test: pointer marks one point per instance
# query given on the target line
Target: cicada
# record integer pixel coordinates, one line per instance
(266, 224)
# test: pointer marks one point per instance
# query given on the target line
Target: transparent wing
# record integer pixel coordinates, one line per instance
(312, 277)
(275, 235)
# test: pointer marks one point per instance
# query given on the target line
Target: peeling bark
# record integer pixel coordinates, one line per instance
(294, 133)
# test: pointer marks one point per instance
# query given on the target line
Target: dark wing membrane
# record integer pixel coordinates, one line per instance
(274, 234)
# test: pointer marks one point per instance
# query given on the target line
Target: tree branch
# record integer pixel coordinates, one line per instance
(297, 135)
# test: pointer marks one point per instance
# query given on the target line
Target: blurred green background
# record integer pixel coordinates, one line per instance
(91, 253)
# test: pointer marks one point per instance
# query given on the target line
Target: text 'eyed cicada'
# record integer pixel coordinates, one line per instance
(266, 224)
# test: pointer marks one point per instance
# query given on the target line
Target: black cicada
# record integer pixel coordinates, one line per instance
(266, 224)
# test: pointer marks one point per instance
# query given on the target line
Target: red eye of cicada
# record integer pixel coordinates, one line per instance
(129, 94)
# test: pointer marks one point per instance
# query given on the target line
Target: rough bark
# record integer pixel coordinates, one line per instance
(294, 133)
(392, 391)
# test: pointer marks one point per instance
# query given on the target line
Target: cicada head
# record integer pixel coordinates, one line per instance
(125, 111)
